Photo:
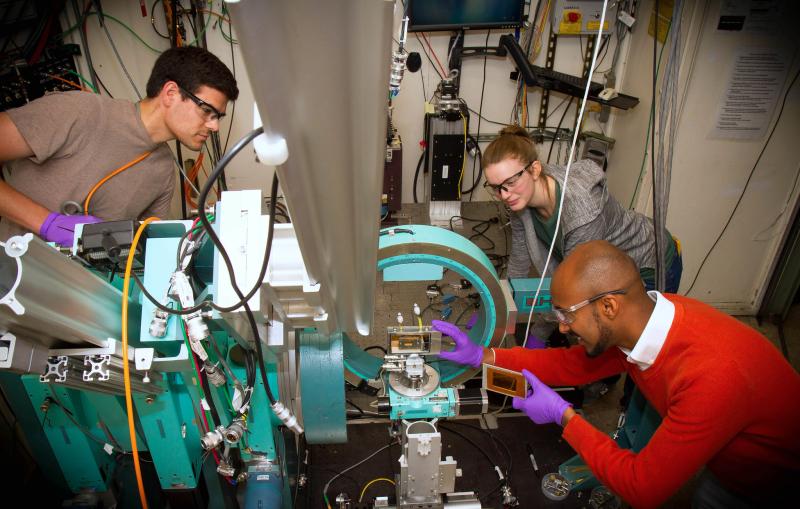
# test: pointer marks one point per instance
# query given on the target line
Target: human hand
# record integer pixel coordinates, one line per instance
(465, 352)
(60, 229)
(543, 405)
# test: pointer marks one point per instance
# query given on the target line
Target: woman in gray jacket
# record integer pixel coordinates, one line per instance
(533, 190)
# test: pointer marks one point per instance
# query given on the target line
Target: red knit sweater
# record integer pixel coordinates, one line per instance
(727, 397)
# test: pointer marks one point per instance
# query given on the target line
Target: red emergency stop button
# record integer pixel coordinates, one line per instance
(573, 16)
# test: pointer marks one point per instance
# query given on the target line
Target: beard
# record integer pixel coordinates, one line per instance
(603, 341)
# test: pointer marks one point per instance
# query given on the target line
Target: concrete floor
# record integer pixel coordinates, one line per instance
(393, 297)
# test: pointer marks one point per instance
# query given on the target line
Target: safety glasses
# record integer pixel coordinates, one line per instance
(567, 315)
(210, 113)
(507, 184)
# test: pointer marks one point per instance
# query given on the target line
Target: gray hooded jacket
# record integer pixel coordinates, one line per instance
(589, 213)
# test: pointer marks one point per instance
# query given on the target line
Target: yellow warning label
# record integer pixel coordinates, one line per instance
(569, 28)
(594, 25)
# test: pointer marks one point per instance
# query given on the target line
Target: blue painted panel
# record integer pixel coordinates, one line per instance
(160, 264)
(81, 459)
(322, 387)
(413, 272)
(524, 289)
(175, 455)
(440, 403)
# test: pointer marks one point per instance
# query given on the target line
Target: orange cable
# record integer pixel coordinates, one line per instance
(109, 176)
(191, 177)
(125, 367)
(68, 82)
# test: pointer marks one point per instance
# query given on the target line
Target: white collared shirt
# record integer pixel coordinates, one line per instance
(654, 334)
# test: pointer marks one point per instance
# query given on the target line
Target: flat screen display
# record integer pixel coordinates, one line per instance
(434, 15)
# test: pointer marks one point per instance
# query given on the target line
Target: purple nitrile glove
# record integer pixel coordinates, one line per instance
(465, 352)
(543, 405)
(534, 343)
(60, 229)
(472, 321)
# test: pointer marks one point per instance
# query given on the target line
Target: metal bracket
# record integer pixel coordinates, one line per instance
(549, 64)
(15, 247)
(98, 368)
(57, 368)
(145, 360)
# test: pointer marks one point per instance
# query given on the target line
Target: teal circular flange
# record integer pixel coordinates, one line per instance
(437, 246)
(322, 387)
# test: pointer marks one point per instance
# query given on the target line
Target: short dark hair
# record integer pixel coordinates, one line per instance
(191, 68)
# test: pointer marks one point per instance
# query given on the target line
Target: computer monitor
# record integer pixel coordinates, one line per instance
(434, 15)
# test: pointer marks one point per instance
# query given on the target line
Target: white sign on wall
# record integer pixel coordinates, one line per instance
(751, 93)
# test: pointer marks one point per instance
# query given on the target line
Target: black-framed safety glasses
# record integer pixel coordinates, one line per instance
(508, 183)
(210, 113)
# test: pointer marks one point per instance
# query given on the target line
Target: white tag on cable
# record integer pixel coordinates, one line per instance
(109, 449)
(626, 18)
(204, 404)
(237, 400)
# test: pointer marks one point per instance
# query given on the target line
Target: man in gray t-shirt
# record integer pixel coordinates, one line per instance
(65, 147)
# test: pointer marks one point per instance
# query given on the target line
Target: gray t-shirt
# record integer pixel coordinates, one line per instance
(77, 139)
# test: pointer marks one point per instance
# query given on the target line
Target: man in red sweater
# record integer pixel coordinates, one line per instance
(727, 398)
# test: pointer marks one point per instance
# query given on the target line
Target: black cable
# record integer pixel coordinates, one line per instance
(603, 48)
(482, 233)
(471, 442)
(558, 128)
(350, 478)
(103, 85)
(213, 236)
(80, 20)
(181, 181)
(464, 312)
(355, 406)
(744, 189)
(204, 304)
(212, 407)
(215, 239)
(476, 178)
(495, 440)
(422, 79)
(376, 347)
(422, 45)
(416, 173)
(477, 181)
(153, 20)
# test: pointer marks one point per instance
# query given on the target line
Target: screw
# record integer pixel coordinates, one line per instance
(149, 399)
